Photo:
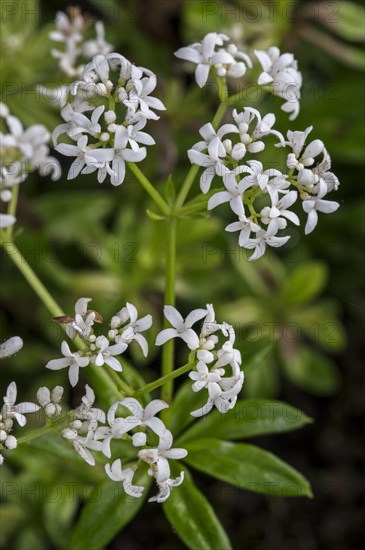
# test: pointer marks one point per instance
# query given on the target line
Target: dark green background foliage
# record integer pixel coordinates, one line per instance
(298, 314)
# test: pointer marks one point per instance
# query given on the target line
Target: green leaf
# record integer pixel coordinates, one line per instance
(305, 283)
(246, 467)
(250, 417)
(108, 510)
(347, 21)
(312, 371)
(193, 518)
(255, 352)
(320, 322)
(262, 381)
(153, 216)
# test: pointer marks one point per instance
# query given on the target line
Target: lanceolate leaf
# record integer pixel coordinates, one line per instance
(107, 512)
(193, 518)
(246, 467)
(250, 417)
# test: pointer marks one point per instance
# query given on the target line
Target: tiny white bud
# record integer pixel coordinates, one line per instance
(139, 439)
(232, 49)
(92, 338)
(221, 72)
(104, 136)
(11, 442)
(238, 151)
(112, 334)
(112, 128)
(115, 322)
(110, 117)
(3, 435)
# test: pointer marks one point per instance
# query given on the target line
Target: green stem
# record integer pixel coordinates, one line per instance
(34, 434)
(119, 382)
(191, 175)
(155, 195)
(160, 381)
(12, 208)
(168, 349)
(28, 273)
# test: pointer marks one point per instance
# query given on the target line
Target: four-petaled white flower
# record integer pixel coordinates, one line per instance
(49, 401)
(116, 473)
(73, 360)
(181, 328)
(316, 204)
(11, 410)
(227, 60)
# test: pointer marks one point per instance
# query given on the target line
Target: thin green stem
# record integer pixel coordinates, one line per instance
(34, 434)
(193, 172)
(168, 350)
(12, 208)
(28, 273)
(160, 381)
(155, 195)
(119, 382)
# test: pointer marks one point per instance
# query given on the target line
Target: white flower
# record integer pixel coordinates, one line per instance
(87, 412)
(234, 191)
(106, 352)
(273, 216)
(82, 444)
(140, 417)
(165, 488)
(203, 54)
(212, 167)
(204, 378)
(213, 140)
(73, 360)
(316, 204)
(83, 153)
(144, 417)
(132, 331)
(10, 410)
(281, 73)
(97, 45)
(10, 346)
(181, 328)
(137, 95)
(252, 139)
(83, 321)
(115, 472)
(50, 400)
(244, 225)
(159, 457)
(263, 239)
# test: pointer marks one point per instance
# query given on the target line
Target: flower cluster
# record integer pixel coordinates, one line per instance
(10, 411)
(99, 350)
(262, 198)
(211, 355)
(105, 119)
(279, 76)
(213, 52)
(87, 432)
(69, 31)
(22, 151)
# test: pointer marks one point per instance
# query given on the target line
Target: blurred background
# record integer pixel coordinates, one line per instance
(306, 302)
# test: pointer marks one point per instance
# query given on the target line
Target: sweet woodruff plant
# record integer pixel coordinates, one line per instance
(107, 109)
